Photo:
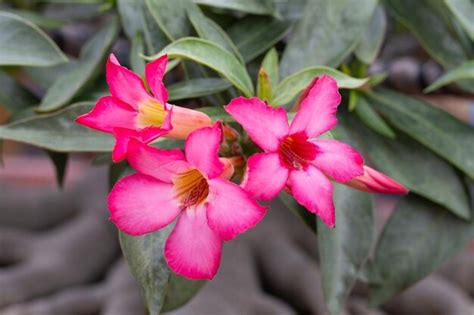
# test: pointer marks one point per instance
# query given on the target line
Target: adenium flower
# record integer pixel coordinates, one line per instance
(293, 158)
(132, 112)
(376, 182)
(191, 188)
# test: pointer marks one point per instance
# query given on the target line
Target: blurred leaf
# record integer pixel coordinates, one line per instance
(372, 119)
(265, 7)
(58, 131)
(179, 291)
(464, 11)
(307, 217)
(59, 160)
(213, 56)
(216, 113)
(89, 66)
(13, 96)
(270, 64)
(343, 250)
(196, 88)
(37, 19)
(208, 29)
(353, 100)
(264, 86)
(371, 41)
(23, 44)
(418, 238)
(136, 52)
(170, 16)
(255, 35)
(464, 71)
(291, 10)
(294, 84)
(436, 129)
(326, 34)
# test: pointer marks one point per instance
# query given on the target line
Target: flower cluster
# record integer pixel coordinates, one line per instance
(194, 188)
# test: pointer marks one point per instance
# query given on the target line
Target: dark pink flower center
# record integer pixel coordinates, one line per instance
(296, 152)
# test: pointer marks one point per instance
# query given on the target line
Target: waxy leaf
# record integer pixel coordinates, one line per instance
(13, 96)
(92, 57)
(170, 16)
(58, 131)
(294, 84)
(345, 249)
(270, 64)
(326, 34)
(136, 52)
(38, 19)
(23, 44)
(436, 129)
(372, 119)
(196, 88)
(264, 7)
(417, 239)
(464, 71)
(464, 11)
(371, 41)
(213, 56)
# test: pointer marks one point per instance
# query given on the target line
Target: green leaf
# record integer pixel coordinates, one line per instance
(308, 218)
(270, 64)
(264, 7)
(371, 41)
(13, 96)
(23, 44)
(90, 62)
(412, 164)
(58, 131)
(37, 19)
(294, 84)
(59, 160)
(464, 11)
(180, 290)
(353, 100)
(434, 128)
(418, 238)
(196, 88)
(464, 71)
(216, 113)
(372, 119)
(213, 56)
(170, 16)
(255, 35)
(208, 29)
(327, 33)
(344, 249)
(136, 52)
(264, 86)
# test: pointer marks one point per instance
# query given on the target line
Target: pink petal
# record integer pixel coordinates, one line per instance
(313, 190)
(230, 209)
(193, 250)
(161, 164)
(122, 138)
(154, 72)
(264, 124)
(125, 84)
(265, 176)
(107, 114)
(377, 182)
(202, 149)
(338, 160)
(317, 113)
(141, 204)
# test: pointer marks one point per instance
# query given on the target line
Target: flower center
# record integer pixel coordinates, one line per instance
(191, 188)
(296, 151)
(150, 113)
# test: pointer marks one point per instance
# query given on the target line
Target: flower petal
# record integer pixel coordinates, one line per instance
(125, 84)
(377, 182)
(313, 190)
(154, 72)
(230, 209)
(161, 164)
(202, 149)
(122, 138)
(338, 160)
(317, 113)
(141, 204)
(264, 124)
(265, 176)
(193, 250)
(107, 114)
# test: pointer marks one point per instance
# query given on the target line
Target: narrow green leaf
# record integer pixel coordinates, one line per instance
(136, 52)
(371, 41)
(464, 71)
(93, 54)
(216, 113)
(294, 84)
(212, 56)
(434, 128)
(418, 238)
(345, 249)
(59, 160)
(23, 44)
(353, 100)
(326, 34)
(180, 290)
(208, 29)
(58, 131)
(264, 7)
(37, 19)
(372, 119)
(264, 86)
(307, 217)
(13, 96)
(170, 16)
(270, 64)
(197, 88)
(464, 11)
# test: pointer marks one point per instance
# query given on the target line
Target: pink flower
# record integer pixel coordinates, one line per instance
(292, 157)
(132, 112)
(376, 182)
(192, 188)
